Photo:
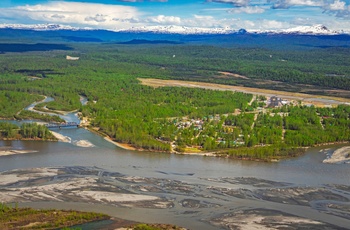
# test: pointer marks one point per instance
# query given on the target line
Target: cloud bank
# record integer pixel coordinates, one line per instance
(75, 13)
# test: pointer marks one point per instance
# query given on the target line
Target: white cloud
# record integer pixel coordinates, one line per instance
(338, 8)
(74, 13)
(284, 4)
(247, 10)
(164, 20)
(232, 2)
(97, 18)
(337, 5)
(207, 21)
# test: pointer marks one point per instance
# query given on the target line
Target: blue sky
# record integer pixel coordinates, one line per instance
(232, 14)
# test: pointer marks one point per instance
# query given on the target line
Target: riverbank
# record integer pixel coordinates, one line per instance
(13, 217)
(244, 154)
(107, 138)
(60, 137)
(121, 145)
(204, 154)
(49, 111)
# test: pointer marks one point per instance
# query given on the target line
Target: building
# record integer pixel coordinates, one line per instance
(275, 102)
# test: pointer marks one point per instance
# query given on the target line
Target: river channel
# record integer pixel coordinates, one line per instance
(195, 192)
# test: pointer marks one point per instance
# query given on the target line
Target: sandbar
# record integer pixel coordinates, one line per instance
(341, 155)
(84, 143)
(61, 138)
(15, 151)
(120, 145)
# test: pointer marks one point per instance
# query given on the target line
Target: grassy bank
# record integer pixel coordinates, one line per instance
(12, 217)
(263, 153)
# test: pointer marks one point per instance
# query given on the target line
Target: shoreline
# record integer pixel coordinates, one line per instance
(60, 137)
(204, 154)
(130, 147)
(56, 112)
(26, 139)
(107, 138)
(121, 145)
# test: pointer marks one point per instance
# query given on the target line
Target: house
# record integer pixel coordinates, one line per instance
(275, 102)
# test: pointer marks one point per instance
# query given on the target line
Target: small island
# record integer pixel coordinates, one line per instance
(14, 217)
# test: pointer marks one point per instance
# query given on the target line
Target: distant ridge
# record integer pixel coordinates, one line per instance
(40, 27)
(308, 30)
(144, 41)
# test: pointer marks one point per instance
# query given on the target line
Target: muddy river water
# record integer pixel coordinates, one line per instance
(191, 191)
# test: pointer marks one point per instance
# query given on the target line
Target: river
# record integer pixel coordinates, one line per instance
(221, 186)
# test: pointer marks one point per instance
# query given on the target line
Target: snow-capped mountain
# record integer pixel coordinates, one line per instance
(317, 30)
(179, 30)
(311, 30)
(40, 27)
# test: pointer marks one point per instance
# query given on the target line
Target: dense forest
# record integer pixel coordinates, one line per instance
(30, 131)
(159, 118)
(320, 67)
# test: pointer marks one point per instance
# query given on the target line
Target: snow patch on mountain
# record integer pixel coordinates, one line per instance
(317, 29)
(179, 30)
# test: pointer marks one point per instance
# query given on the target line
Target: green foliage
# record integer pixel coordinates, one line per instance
(320, 67)
(145, 227)
(68, 228)
(33, 131)
(30, 115)
(20, 218)
(265, 153)
(11, 102)
(306, 128)
(8, 130)
(26, 131)
(268, 129)
(144, 116)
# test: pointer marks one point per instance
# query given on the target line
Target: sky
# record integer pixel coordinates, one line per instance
(211, 14)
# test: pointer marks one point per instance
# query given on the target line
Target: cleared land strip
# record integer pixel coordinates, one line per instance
(317, 100)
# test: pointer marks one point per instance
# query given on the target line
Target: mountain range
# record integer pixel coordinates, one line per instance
(309, 30)
(305, 37)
